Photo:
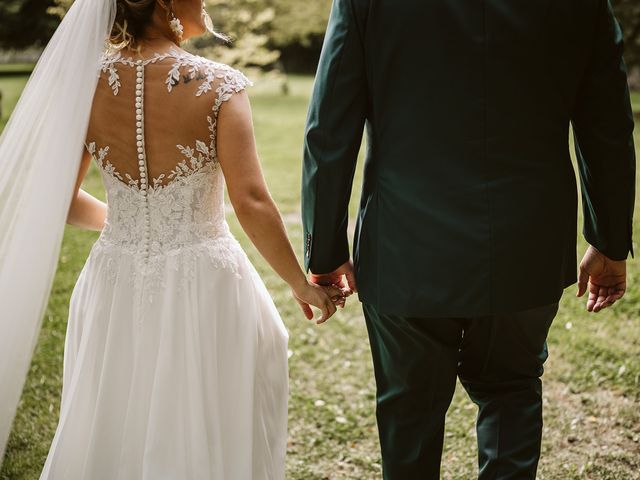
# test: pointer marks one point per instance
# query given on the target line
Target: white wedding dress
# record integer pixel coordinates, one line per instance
(175, 363)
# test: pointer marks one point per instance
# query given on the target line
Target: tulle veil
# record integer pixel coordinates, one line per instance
(40, 153)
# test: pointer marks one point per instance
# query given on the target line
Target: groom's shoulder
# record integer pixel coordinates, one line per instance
(352, 10)
(355, 6)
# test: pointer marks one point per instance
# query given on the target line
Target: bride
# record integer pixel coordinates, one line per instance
(175, 362)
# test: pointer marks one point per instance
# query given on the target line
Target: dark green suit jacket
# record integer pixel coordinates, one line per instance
(469, 201)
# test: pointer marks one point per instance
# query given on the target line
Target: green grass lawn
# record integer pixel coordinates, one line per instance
(635, 101)
(16, 68)
(592, 417)
(10, 88)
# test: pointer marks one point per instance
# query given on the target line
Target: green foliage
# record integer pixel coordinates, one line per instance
(250, 24)
(275, 23)
(24, 23)
(261, 28)
(270, 24)
(299, 22)
(60, 7)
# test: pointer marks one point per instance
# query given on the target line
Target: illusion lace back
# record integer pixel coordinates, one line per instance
(163, 181)
(175, 356)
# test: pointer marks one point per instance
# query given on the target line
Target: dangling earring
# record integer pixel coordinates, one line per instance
(207, 18)
(176, 26)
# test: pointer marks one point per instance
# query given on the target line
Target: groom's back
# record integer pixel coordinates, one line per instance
(471, 102)
(474, 77)
(469, 178)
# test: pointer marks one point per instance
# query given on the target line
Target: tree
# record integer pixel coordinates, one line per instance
(299, 32)
(264, 30)
(26, 23)
(250, 26)
(300, 22)
(60, 7)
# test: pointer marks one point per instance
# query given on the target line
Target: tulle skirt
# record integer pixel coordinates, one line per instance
(191, 385)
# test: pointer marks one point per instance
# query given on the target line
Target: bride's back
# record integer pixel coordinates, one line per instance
(153, 132)
(155, 118)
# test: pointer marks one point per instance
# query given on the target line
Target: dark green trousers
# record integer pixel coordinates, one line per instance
(499, 360)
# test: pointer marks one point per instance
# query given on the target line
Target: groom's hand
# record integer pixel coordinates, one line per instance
(605, 279)
(343, 278)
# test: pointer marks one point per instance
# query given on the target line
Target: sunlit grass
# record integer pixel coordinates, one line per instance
(19, 68)
(635, 101)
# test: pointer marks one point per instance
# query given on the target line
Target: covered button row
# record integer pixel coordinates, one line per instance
(139, 131)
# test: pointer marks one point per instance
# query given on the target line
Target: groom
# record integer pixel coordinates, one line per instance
(466, 233)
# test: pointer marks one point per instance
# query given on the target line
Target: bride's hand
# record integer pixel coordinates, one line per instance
(338, 296)
(323, 298)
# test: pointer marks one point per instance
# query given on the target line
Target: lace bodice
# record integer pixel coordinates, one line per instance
(165, 188)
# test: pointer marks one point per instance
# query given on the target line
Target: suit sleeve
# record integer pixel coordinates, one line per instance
(603, 131)
(333, 137)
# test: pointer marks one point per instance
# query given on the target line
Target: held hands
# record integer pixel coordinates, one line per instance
(326, 292)
(326, 298)
(342, 278)
(605, 279)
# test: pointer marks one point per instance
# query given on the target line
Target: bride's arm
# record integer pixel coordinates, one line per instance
(86, 211)
(255, 208)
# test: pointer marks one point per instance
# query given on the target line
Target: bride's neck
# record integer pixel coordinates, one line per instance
(157, 37)
(156, 45)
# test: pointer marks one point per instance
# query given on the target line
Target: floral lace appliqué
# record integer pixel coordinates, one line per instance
(179, 220)
(194, 65)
